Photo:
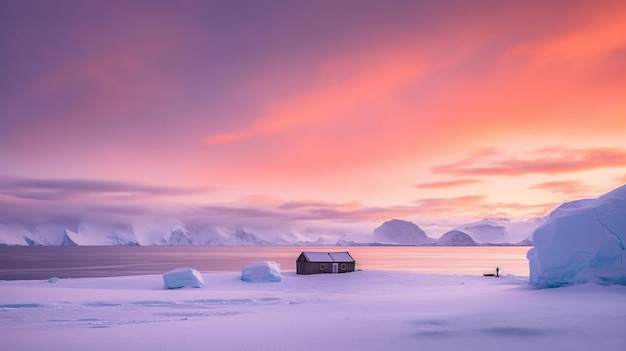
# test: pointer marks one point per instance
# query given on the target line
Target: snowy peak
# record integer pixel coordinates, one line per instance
(456, 238)
(398, 231)
(96, 234)
(499, 231)
(179, 236)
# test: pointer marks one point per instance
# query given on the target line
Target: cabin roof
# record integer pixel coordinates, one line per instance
(328, 257)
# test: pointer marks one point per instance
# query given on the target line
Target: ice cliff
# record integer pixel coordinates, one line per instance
(582, 241)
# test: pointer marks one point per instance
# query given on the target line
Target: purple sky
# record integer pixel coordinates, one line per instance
(309, 113)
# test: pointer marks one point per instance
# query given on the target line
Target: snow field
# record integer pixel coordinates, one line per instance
(364, 310)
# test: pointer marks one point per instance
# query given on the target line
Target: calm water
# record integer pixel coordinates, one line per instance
(18, 262)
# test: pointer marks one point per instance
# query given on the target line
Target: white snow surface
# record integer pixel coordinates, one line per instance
(364, 310)
(582, 241)
(341, 256)
(183, 278)
(262, 271)
(313, 256)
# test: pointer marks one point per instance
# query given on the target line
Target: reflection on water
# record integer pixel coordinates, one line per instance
(18, 262)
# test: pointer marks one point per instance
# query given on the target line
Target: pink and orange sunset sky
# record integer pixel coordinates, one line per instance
(309, 113)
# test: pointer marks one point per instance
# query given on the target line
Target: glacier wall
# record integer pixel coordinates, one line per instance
(582, 241)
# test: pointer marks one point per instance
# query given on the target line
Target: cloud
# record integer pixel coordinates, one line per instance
(566, 187)
(447, 184)
(581, 43)
(65, 189)
(447, 206)
(311, 204)
(295, 213)
(32, 201)
(368, 84)
(554, 160)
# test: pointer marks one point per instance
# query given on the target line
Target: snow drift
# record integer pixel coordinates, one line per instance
(183, 278)
(582, 241)
(266, 271)
(368, 310)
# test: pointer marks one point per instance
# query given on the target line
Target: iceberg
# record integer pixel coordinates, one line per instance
(183, 278)
(264, 271)
(582, 241)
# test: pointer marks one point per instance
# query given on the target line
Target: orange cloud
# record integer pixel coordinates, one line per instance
(566, 187)
(554, 160)
(311, 204)
(401, 107)
(603, 31)
(533, 210)
(373, 83)
(447, 184)
(440, 206)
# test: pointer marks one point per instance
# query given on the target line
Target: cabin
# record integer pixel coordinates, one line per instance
(325, 262)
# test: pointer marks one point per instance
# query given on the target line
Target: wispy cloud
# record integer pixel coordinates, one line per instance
(64, 189)
(566, 187)
(311, 204)
(579, 44)
(554, 160)
(447, 183)
(370, 83)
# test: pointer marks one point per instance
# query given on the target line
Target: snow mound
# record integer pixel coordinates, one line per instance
(455, 238)
(582, 241)
(264, 271)
(397, 231)
(183, 277)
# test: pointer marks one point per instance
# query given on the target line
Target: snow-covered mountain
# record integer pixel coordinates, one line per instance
(582, 241)
(398, 231)
(393, 232)
(148, 233)
(97, 234)
(500, 231)
(174, 232)
(455, 238)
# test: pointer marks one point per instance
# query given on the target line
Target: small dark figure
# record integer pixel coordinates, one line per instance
(497, 272)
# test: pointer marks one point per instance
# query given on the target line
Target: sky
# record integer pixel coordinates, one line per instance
(309, 114)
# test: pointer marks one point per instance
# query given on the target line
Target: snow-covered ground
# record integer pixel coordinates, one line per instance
(364, 310)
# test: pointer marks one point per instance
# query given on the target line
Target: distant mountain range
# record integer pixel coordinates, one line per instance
(393, 232)
(485, 232)
(493, 231)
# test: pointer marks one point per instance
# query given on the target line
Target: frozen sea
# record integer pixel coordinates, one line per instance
(25, 263)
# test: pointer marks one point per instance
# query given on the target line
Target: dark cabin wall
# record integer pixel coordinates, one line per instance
(303, 267)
